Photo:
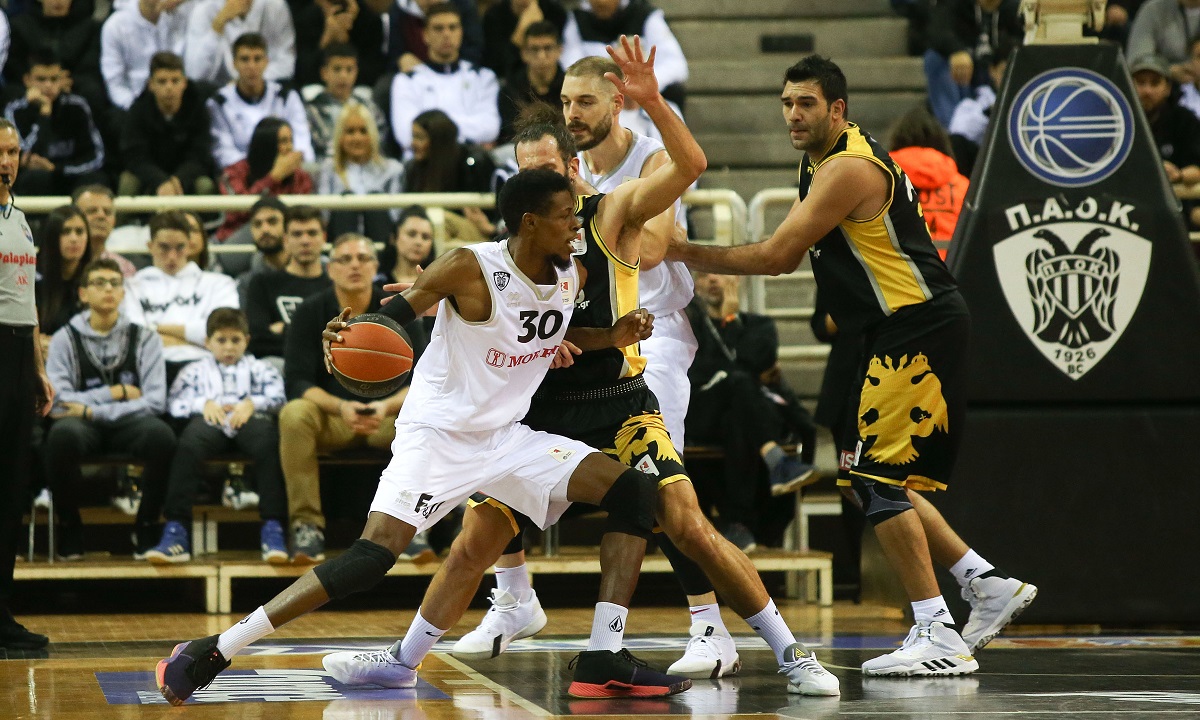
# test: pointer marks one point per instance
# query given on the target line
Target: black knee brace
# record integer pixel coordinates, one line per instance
(880, 501)
(631, 502)
(359, 568)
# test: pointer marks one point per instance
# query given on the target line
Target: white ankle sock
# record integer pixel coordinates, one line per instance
(254, 626)
(932, 610)
(769, 624)
(421, 636)
(969, 567)
(710, 614)
(608, 627)
(515, 581)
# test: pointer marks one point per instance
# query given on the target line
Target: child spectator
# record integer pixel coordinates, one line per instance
(272, 165)
(357, 168)
(324, 24)
(216, 26)
(441, 164)
(63, 252)
(109, 379)
(96, 202)
(324, 103)
(922, 150)
(130, 38)
(228, 401)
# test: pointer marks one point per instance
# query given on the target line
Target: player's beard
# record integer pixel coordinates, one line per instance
(597, 134)
(561, 263)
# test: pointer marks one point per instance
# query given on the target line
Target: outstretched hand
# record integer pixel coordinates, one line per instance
(633, 327)
(640, 83)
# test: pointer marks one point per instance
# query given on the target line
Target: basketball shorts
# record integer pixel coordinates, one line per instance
(909, 397)
(669, 353)
(432, 471)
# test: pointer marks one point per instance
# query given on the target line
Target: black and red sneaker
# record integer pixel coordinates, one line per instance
(608, 674)
(192, 666)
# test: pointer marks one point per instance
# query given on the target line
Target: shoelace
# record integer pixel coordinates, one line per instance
(709, 648)
(807, 661)
(918, 635)
(378, 656)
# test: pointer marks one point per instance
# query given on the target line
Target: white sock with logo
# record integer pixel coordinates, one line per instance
(710, 614)
(969, 567)
(421, 636)
(608, 627)
(254, 626)
(769, 625)
(932, 610)
(515, 581)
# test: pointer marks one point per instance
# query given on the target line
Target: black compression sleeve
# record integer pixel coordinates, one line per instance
(399, 310)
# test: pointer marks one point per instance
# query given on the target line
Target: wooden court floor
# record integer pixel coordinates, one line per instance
(101, 667)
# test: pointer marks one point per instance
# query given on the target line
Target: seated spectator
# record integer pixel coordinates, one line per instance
(321, 415)
(324, 103)
(63, 253)
(922, 150)
(1190, 97)
(1118, 15)
(272, 296)
(266, 232)
(1165, 28)
(446, 82)
(228, 401)
(358, 168)
(197, 251)
(1175, 129)
(96, 202)
(324, 24)
(441, 164)
(599, 23)
(174, 296)
(739, 403)
(963, 36)
(130, 39)
(410, 250)
(538, 79)
(166, 137)
(109, 379)
(407, 45)
(505, 27)
(67, 29)
(215, 26)
(61, 148)
(237, 108)
(272, 165)
(972, 115)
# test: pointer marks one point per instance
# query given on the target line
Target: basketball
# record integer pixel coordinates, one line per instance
(374, 357)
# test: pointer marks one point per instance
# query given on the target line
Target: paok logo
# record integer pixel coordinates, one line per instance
(1070, 127)
(501, 279)
(1073, 277)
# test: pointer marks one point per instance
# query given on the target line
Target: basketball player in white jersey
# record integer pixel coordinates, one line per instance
(507, 308)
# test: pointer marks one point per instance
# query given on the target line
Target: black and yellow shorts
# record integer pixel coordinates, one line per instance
(909, 405)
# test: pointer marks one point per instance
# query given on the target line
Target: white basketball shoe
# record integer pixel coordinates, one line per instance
(505, 621)
(995, 602)
(805, 675)
(375, 667)
(709, 654)
(929, 649)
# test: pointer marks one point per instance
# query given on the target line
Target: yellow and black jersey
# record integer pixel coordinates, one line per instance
(868, 269)
(611, 291)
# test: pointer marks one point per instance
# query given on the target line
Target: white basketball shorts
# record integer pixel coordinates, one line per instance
(669, 353)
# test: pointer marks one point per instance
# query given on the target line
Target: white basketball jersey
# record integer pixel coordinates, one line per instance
(477, 376)
(666, 287)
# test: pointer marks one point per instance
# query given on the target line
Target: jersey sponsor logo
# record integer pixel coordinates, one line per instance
(496, 358)
(1073, 274)
(501, 279)
(519, 360)
(1071, 127)
(560, 454)
(424, 507)
(901, 399)
(579, 244)
(846, 461)
(646, 465)
(581, 301)
(18, 258)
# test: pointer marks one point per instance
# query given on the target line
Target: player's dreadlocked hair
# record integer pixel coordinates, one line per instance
(537, 120)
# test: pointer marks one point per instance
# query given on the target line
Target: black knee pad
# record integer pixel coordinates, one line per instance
(631, 502)
(880, 501)
(359, 568)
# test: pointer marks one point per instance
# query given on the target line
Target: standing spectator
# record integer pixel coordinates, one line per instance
(963, 36)
(66, 29)
(96, 202)
(174, 296)
(273, 295)
(62, 254)
(446, 82)
(324, 103)
(358, 168)
(539, 78)
(215, 26)
(323, 24)
(321, 415)
(61, 148)
(272, 165)
(407, 45)
(166, 138)
(505, 27)
(228, 401)
(1175, 129)
(238, 107)
(922, 150)
(1166, 28)
(410, 250)
(131, 38)
(110, 379)
(266, 232)
(441, 164)
(26, 393)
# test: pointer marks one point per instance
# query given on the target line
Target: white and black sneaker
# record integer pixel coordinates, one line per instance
(805, 675)
(995, 602)
(929, 649)
(507, 620)
(710, 654)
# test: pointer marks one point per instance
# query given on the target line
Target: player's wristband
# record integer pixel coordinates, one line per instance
(399, 310)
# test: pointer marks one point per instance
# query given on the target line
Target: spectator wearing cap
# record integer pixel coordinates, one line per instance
(505, 25)
(215, 26)
(1175, 129)
(1165, 28)
(324, 102)
(129, 40)
(407, 46)
(323, 24)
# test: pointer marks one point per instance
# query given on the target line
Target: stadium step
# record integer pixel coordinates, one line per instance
(765, 74)
(734, 39)
(761, 113)
(689, 9)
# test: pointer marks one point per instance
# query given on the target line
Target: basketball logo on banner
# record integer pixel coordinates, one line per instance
(1071, 127)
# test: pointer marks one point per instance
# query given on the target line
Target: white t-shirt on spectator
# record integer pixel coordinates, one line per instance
(670, 66)
(128, 41)
(464, 92)
(209, 56)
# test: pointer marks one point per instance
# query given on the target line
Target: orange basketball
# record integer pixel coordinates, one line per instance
(374, 357)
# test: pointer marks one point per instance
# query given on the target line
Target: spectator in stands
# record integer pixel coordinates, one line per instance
(1118, 15)
(1165, 28)
(505, 27)
(65, 28)
(1175, 129)
(197, 251)
(917, 13)
(446, 82)
(109, 377)
(1190, 97)
(922, 150)
(61, 148)
(539, 78)
(96, 202)
(272, 165)
(324, 24)
(358, 168)
(166, 138)
(410, 249)
(130, 39)
(174, 296)
(732, 406)
(441, 164)
(266, 232)
(321, 415)
(973, 115)
(215, 26)
(963, 36)
(598, 23)
(228, 401)
(324, 103)
(237, 108)
(63, 252)
(408, 45)
(272, 296)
